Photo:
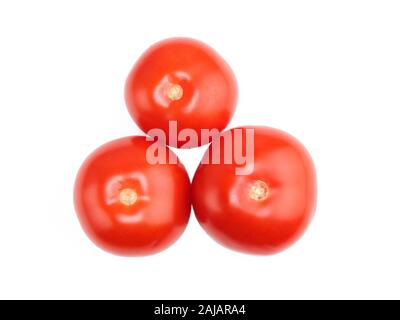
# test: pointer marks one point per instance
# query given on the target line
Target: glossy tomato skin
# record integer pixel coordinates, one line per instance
(205, 95)
(228, 209)
(127, 206)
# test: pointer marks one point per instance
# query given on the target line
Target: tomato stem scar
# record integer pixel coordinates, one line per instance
(258, 190)
(128, 197)
(175, 92)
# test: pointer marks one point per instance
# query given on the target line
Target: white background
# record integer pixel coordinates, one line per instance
(328, 72)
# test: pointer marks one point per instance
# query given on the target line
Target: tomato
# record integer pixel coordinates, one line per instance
(128, 206)
(184, 81)
(268, 208)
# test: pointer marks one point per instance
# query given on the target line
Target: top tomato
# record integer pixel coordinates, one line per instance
(181, 80)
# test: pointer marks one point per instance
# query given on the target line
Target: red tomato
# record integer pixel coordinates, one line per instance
(181, 80)
(265, 211)
(128, 206)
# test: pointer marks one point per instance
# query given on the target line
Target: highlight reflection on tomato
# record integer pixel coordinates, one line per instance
(263, 212)
(181, 80)
(128, 206)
